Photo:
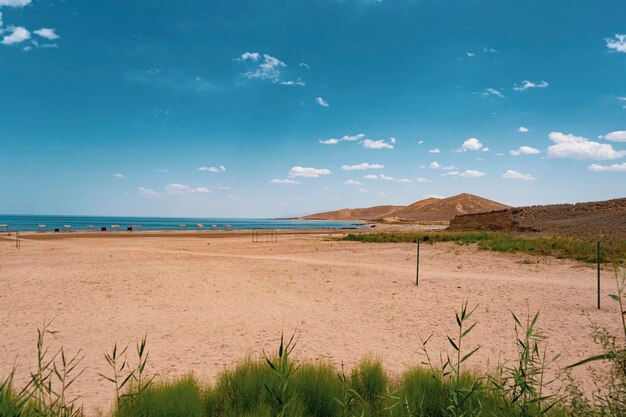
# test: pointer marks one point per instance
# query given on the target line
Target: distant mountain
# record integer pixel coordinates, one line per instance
(370, 213)
(430, 209)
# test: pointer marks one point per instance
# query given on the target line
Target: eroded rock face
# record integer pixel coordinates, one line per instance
(599, 218)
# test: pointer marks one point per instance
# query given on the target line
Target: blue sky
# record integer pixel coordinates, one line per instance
(274, 108)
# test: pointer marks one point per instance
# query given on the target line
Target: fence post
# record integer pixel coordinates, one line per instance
(598, 257)
(417, 270)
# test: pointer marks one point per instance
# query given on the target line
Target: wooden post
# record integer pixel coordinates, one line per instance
(598, 257)
(417, 270)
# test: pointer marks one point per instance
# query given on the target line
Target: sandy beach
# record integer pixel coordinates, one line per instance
(206, 302)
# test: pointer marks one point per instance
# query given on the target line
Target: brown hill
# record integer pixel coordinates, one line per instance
(430, 209)
(370, 213)
(445, 209)
(597, 219)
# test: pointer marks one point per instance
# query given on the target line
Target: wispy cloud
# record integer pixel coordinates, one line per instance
(149, 192)
(422, 180)
(346, 138)
(161, 171)
(522, 129)
(361, 167)
(525, 150)
(515, 175)
(352, 182)
(118, 175)
(308, 172)
(183, 189)
(487, 92)
(219, 168)
(434, 165)
(577, 147)
(618, 43)
(602, 168)
(265, 66)
(435, 150)
(14, 3)
(284, 181)
(322, 102)
(525, 85)
(470, 173)
(405, 181)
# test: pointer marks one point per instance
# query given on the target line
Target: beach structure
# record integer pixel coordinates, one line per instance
(228, 227)
(41, 227)
(115, 227)
(103, 229)
(91, 228)
(213, 227)
(182, 226)
(199, 226)
(4, 227)
(67, 227)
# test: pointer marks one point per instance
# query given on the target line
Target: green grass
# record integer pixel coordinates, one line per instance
(560, 247)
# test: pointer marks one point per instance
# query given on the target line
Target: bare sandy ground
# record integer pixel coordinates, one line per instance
(205, 302)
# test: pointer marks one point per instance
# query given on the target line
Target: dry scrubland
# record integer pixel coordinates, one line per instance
(204, 303)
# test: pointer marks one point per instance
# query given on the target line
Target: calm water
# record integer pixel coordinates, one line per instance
(30, 223)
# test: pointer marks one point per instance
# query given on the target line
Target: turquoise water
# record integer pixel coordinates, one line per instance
(29, 223)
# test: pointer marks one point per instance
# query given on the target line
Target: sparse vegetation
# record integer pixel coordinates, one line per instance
(612, 251)
(276, 385)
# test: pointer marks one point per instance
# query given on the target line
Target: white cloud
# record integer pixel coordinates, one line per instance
(223, 187)
(470, 173)
(436, 150)
(284, 181)
(449, 168)
(182, 189)
(378, 144)
(525, 150)
(419, 142)
(470, 54)
(351, 138)
(361, 167)
(485, 149)
(525, 85)
(522, 129)
(617, 43)
(162, 171)
(352, 182)
(267, 68)
(322, 102)
(220, 168)
(331, 141)
(613, 167)
(622, 99)
(0, 21)
(15, 3)
(617, 136)
(471, 144)
(304, 65)
(491, 92)
(147, 192)
(385, 177)
(434, 165)
(298, 171)
(47, 33)
(18, 34)
(422, 180)
(371, 177)
(578, 147)
(118, 175)
(514, 175)
(362, 190)
(405, 181)
(298, 82)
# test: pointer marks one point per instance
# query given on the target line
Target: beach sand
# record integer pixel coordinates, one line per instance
(205, 302)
